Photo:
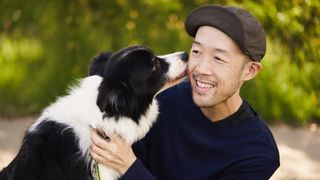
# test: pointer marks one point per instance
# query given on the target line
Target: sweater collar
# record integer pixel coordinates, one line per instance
(243, 113)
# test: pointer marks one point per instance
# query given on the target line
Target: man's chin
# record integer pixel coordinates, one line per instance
(202, 101)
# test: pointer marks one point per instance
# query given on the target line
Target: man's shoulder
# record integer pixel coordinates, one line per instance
(260, 133)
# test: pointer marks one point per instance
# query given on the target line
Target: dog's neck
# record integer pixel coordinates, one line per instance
(129, 129)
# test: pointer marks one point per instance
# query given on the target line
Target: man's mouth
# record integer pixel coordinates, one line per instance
(204, 85)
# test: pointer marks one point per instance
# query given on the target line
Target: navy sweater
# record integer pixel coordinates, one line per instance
(184, 144)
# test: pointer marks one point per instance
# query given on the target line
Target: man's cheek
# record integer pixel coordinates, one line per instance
(189, 71)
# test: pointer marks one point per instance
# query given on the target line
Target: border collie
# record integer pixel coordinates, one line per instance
(118, 95)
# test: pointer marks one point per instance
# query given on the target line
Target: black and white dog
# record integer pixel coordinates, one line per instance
(118, 95)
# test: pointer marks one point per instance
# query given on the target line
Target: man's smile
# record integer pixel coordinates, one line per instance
(201, 85)
(204, 85)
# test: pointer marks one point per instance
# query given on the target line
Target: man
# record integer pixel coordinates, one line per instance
(205, 129)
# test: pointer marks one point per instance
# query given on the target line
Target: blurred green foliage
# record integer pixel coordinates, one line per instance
(46, 45)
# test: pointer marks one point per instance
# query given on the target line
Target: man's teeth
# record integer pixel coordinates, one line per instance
(204, 85)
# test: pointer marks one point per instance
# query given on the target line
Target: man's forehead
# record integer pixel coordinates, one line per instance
(213, 38)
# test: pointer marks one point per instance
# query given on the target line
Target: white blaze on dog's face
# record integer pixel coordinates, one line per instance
(133, 76)
(177, 70)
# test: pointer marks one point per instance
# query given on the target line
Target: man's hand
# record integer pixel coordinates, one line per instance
(116, 153)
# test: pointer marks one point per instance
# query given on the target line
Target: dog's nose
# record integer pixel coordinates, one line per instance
(184, 56)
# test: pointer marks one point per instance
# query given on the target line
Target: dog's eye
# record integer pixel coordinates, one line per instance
(156, 65)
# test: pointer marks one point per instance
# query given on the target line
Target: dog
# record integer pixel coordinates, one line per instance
(118, 95)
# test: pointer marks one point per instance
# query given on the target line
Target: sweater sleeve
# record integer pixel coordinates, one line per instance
(259, 168)
(137, 171)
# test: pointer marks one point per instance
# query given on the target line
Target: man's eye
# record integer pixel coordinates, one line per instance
(195, 51)
(218, 59)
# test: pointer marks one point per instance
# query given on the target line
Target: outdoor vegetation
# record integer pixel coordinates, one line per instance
(46, 45)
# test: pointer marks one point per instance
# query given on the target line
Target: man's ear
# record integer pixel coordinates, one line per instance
(98, 63)
(251, 70)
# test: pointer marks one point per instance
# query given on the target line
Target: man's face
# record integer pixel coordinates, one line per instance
(216, 67)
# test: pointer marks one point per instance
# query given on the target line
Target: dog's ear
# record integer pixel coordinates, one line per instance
(98, 63)
(109, 92)
(115, 99)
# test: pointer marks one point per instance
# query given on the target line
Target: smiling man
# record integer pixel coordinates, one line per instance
(205, 129)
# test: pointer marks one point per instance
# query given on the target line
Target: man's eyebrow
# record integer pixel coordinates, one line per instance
(196, 42)
(225, 52)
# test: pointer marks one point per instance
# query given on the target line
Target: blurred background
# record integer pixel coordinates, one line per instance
(46, 45)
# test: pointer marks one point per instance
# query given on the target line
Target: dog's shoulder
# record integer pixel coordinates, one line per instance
(78, 106)
(54, 138)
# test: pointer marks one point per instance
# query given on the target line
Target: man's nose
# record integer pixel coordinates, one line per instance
(204, 67)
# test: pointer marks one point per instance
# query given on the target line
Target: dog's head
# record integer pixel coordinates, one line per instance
(132, 77)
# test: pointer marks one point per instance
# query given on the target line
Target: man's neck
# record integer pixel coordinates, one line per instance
(223, 109)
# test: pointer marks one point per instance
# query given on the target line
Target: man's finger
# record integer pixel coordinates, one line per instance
(106, 162)
(115, 138)
(97, 140)
(99, 151)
